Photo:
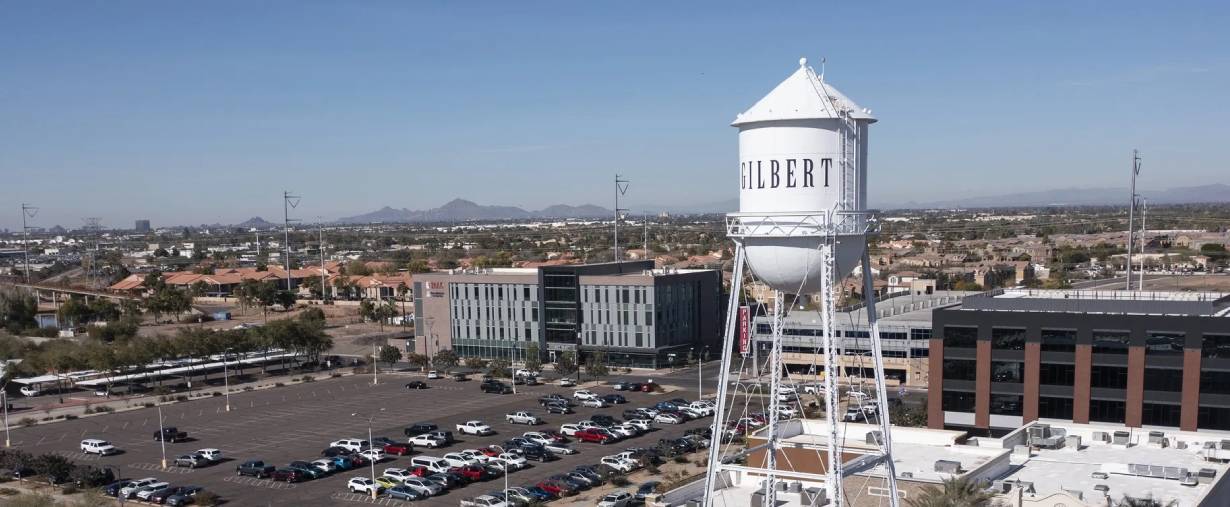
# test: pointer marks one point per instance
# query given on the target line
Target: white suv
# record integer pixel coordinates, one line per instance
(584, 395)
(351, 444)
(99, 447)
(363, 485)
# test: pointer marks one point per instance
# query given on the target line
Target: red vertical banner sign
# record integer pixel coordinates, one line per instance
(743, 330)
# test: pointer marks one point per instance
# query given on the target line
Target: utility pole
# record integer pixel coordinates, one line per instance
(26, 211)
(1144, 215)
(1132, 218)
(645, 244)
(324, 287)
(621, 187)
(288, 201)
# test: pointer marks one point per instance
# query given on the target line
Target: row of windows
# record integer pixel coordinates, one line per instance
(914, 334)
(1152, 414)
(893, 353)
(1104, 341)
(1162, 379)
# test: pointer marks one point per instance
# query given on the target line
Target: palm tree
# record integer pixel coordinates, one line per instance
(955, 492)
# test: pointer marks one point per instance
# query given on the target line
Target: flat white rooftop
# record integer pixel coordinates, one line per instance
(1110, 295)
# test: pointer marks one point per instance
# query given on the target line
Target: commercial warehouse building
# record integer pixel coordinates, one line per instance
(1141, 359)
(636, 315)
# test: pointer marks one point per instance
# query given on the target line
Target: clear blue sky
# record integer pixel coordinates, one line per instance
(200, 112)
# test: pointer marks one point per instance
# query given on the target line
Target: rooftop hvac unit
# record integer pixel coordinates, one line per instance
(814, 497)
(1101, 436)
(1121, 438)
(906, 475)
(795, 487)
(1206, 475)
(1103, 488)
(1225, 444)
(1189, 481)
(1158, 438)
(1180, 444)
(1073, 442)
(947, 466)
(1038, 432)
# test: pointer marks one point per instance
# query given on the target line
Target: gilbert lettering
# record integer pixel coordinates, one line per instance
(752, 174)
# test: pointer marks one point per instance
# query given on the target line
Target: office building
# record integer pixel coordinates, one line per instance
(1140, 359)
(142, 226)
(905, 334)
(636, 315)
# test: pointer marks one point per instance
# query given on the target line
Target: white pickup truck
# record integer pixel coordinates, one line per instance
(474, 428)
(522, 417)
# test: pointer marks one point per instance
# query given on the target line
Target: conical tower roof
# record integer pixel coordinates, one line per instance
(802, 96)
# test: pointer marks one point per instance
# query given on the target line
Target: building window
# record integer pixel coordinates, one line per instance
(957, 401)
(960, 369)
(1215, 346)
(1165, 343)
(1054, 408)
(963, 337)
(1007, 338)
(1058, 340)
(1162, 379)
(1007, 404)
(1111, 377)
(1110, 342)
(1212, 418)
(1160, 414)
(1010, 372)
(920, 334)
(1215, 382)
(1057, 374)
(920, 352)
(1107, 411)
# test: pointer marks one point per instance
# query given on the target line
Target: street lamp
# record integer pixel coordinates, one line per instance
(226, 378)
(162, 438)
(375, 359)
(4, 393)
(504, 464)
(375, 487)
(700, 375)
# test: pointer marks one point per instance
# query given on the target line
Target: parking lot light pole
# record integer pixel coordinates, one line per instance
(504, 463)
(226, 378)
(375, 487)
(5, 395)
(162, 438)
(375, 359)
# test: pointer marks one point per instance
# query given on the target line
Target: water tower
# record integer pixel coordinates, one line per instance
(802, 226)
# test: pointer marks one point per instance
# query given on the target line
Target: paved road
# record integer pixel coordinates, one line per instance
(298, 421)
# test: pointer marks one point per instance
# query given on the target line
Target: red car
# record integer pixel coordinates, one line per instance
(555, 435)
(356, 460)
(286, 475)
(420, 471)
(398, 449)
(471, 472)
(556, 488)
(489, 451)
(592, 436)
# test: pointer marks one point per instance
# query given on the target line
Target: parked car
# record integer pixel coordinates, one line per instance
(558, 448)
(474, 428)
(614, 399)
(522, 372)
(190, 460)
(419, 428)
(255, 468)
(522, 417)
(484, 501)
(583, 394)
(592, 435)
(541, 494)
(460, 377)
(425, 440)
(668, 418)
(363, 485)
(416, 384)
(442, 435)
(99, 447)
(567, 382)
(161, 496)
(170, 434)
(645, 489)
(594, 403)
(553, 398)
(433, 375)
(185, 496)
(326, 466)
(604, 420)
(558, 408)
(391, 446)
(147, 491)
(373, 455)
(287, 475)
(351, 444)
(616, 499)
(569, 430)
(496, 388)
(424, 486)
(132, 487)
(405, 492)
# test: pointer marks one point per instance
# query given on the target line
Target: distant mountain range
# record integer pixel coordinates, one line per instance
(1216, 192)
(256, 223)
(461, 210)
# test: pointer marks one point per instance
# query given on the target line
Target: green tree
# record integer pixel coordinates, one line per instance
(266, 295)
(367, 310)
(286, 299)
(500, 368)
(955, 492)
(533, 357)
(73, 312)
(314, 317)
(445, 359)
(103, 309)
(17, 312)
(390, 354)
(476, 363)
(198, 288)
(414, 359)
(53, 467)
(566, 363)
(596, 366)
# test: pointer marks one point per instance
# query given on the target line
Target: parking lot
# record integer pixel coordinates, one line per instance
(296, 422)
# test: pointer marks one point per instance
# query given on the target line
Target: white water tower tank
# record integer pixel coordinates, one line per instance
(802, 172)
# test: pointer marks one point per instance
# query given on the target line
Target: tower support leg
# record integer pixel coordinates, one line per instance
(886, 445)
(720, 404)
(832, 392)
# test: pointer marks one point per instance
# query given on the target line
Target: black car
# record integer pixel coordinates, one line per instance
(558, 408)
(532, 381)
(705, 432)
(553, 398)
(170, 434)
(417, 384)
(635, 387)
(420, 428)
(635, 413)
(614, 399)
(646, 489)
(114, 488)
(496, 388)
(161, 496)
(255, 468)
(604, 420)
(620, 385)
(538, 454)
(333, 452)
